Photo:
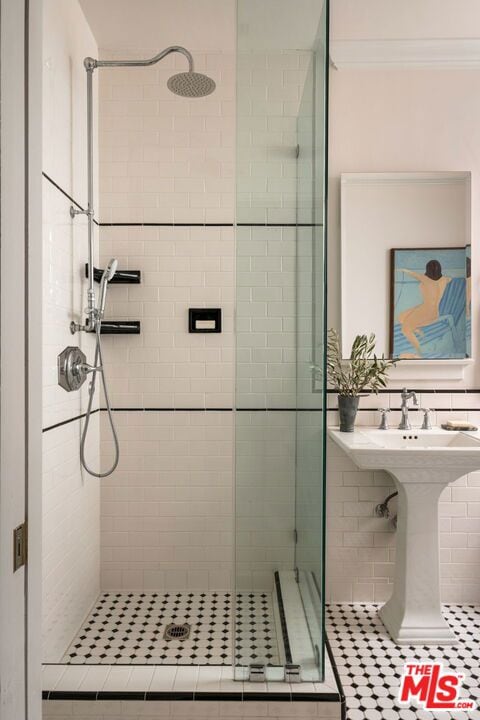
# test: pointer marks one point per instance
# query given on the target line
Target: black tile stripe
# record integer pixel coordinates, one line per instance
(436, 409)
(341, 694)
(175, 224)
(124, 695)
(241, 409)
(64, 192)
(70, 420)
(78, 695)
(71, 695)
(283, 620)
(434, 391)
(229, 696)
(164, 224)
(207, 224)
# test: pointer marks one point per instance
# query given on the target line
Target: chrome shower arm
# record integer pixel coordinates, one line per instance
(91, 63)
(188, 84)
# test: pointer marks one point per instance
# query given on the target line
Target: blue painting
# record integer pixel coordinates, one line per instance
(430, 306)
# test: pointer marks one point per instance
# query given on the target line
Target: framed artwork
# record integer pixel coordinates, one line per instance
(430, 303)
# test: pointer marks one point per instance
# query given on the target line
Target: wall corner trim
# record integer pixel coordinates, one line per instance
(441, 53)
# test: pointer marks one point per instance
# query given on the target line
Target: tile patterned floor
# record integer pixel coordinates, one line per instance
(128, 628)
(370, 664)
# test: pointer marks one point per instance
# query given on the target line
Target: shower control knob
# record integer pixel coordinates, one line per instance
(72, 368)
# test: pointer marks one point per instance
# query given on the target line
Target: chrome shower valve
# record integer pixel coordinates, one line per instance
(73, 368)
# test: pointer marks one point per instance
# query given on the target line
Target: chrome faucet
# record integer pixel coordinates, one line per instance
(406, 396)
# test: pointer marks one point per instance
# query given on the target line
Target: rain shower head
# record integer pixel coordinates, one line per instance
(191, 84)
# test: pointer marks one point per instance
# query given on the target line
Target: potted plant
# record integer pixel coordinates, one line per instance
(363, 373)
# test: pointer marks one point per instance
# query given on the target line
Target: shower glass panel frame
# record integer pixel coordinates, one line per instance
(280, 394)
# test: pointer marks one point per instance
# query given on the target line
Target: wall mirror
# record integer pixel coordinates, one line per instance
(405, 263)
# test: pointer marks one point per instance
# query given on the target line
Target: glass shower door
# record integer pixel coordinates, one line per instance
(310, 346)
(277, 633)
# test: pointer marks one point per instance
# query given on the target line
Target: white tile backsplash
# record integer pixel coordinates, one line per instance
(361, 547)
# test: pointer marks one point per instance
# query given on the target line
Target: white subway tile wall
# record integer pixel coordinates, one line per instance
(71, 499)
(167, 519)
(166, 366)
(361, 547)
(266, 310)
(165, 158)
(264, 496)
(269, 91)
(71, 536)
(169, 160)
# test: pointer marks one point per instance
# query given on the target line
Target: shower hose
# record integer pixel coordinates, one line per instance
(98, 367)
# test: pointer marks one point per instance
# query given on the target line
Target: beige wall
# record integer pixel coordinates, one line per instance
(389, 120)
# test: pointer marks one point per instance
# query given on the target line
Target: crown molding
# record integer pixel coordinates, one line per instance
(460, 54)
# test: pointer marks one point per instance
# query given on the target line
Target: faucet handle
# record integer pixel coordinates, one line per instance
(426, 425)
(384, 421)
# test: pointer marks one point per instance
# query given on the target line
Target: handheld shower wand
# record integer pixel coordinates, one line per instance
(98, 366)
(108, 274)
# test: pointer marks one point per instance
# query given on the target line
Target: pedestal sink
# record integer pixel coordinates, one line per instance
(422, 463)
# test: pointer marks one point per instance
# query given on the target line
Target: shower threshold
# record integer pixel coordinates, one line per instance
(173, 681)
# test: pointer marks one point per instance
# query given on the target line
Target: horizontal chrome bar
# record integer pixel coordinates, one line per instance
(91, 64)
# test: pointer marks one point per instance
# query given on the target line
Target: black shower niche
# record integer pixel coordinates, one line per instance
(121, 277)
(205, 320)
(120, 327)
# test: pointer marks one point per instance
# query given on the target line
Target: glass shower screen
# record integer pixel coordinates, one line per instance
(280, 395)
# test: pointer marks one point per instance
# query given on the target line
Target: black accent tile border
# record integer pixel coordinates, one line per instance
(439, 409)
(336, 675)
(164, 224)
(78, 695)
(121, 695)
(64, 192)
(228, 696)
(175, 224)
(71, 695)
(283, 620)
(434, 391)
(267, 409)
(208, 224)
(70, 420)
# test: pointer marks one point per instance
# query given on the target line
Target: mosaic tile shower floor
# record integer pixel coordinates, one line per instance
(370, 664)
(128, 628)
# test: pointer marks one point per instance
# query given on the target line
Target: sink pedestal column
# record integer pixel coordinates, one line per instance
(413, 615)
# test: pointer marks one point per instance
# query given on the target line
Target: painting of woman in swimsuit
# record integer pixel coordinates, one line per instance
(429, 305)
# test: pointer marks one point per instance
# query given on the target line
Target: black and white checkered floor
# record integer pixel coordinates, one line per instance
(128, 628)
(370, 664)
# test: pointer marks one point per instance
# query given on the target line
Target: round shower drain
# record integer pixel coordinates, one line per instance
(177, 632)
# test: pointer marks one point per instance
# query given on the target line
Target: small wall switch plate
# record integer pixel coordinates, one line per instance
(205, 320)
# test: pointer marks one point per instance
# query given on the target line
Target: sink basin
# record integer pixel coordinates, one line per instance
(422, 463)
(388, 449)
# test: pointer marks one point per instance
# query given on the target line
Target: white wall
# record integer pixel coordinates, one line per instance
(71, 501)
(389, 120)
(417, 19)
